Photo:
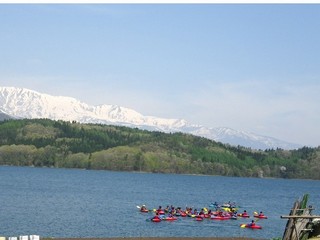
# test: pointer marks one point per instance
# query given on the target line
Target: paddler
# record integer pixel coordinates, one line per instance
(172, 210)
(156, 218)
(159, 210)
(244, 214)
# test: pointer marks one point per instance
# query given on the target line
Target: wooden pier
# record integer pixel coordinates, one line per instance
(301, 224)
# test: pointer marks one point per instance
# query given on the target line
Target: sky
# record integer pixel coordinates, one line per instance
(250, 67)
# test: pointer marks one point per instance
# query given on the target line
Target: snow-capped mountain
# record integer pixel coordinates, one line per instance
(24, 103)
(243, 138)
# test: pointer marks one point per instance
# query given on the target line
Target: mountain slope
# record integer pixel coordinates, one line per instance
(4, 116)
(24, 103)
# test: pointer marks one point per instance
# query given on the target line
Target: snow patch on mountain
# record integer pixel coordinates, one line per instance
(25, 103)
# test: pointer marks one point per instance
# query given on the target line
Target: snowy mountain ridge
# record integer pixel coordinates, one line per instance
(25, 103)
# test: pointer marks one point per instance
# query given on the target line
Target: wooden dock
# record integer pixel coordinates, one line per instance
(301, 224)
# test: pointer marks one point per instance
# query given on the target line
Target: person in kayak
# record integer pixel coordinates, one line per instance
(261, 214)
(159, 210)
(188, 210)
(167, 209)
(216, 205)
(201, 213)
(234, 214)
(252, 223)
(156, 218)
(244, 214)
(172, 210)
(143, 208)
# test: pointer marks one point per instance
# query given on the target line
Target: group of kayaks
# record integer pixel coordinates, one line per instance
(214, 212)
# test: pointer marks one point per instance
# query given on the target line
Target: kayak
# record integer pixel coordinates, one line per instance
(183, 214)
(161, 212)
(220, 217)
(243, 215)
(199, 218)
(144, 209)
(155, 219)
(250, 226)
(216, 213)
(169, 218)
(260, 216)
(180, 214)
(203, 215)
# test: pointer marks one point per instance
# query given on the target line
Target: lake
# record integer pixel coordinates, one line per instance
(86, 203)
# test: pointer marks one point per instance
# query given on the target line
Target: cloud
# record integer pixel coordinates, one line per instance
(286, 110)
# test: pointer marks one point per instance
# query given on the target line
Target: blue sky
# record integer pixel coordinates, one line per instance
(252, 67)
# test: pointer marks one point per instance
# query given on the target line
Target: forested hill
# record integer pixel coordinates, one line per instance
(43, 142)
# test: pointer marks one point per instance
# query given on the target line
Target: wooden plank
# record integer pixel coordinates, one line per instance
(300, 216)
(287, 235)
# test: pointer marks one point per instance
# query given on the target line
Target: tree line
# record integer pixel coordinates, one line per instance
(48, 143)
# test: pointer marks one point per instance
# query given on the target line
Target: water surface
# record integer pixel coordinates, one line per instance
(79, 203)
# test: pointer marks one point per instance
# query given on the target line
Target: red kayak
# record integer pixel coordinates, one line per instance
(250, 226)
(244, 215)
(156, 219)
(169, 218)
(260, 216)
(181, 214)
(220, 217)
(160, 212)
(203, 216)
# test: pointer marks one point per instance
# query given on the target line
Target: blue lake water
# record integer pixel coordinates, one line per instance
(80, 203)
